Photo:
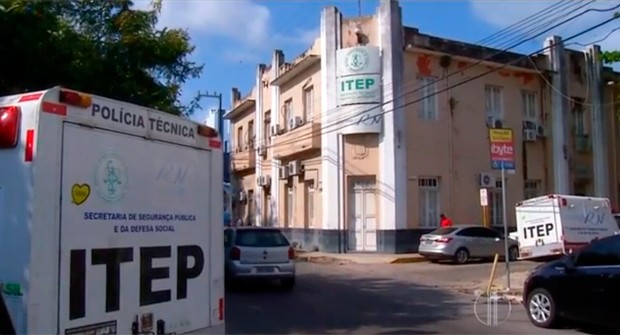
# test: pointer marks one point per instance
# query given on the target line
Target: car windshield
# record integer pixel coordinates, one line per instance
(260, 238)
(443, 231)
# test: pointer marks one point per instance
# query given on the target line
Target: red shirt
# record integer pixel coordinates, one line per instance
(445, 222)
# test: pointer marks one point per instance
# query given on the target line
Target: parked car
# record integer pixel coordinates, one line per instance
(258, 253)
(464, 242)
(583, 286)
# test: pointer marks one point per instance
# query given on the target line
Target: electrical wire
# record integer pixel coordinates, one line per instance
(585, 31)
(414, 82)
(488, 58)
(323, 130)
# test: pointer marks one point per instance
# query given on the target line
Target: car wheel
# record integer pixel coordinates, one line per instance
(288, 283)
(461, 256)
(541, 308)
(513, 253)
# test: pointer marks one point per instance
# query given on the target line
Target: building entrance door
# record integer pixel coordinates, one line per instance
(362, 221)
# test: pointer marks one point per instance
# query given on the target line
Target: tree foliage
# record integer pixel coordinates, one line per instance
(96, 46)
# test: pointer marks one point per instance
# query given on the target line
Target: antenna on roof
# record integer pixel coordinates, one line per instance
(359, 7)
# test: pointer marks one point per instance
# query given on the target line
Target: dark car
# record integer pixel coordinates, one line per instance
(583, 286)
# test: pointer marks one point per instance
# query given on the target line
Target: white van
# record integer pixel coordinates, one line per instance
(558, 224)
(110, 218)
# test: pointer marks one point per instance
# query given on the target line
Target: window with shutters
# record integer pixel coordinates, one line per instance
(427, 106)
(493, 101)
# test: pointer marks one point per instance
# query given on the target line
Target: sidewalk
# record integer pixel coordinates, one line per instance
(358, 258)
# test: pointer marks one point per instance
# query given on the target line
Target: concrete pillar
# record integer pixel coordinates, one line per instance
(599, 149)
(392, 149)
(331, 31)
(258, 131)
(559, 110)
(276, 61)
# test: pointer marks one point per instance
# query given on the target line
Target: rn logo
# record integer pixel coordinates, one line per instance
(110, 177)
(190, 263)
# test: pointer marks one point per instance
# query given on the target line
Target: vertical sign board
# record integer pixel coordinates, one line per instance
(484, 197)
(502, 149)
(359, 95)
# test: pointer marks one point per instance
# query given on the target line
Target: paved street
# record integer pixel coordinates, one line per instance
(377, 299)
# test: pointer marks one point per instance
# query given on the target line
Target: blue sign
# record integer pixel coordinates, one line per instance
(507, 165)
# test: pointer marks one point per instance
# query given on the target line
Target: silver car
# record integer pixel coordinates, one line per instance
(257, 253)
(462, 243)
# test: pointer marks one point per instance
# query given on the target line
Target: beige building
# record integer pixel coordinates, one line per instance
(362, 141)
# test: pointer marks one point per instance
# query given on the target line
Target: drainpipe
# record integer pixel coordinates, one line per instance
(445, 62)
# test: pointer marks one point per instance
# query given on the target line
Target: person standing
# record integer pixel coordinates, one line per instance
(444, 221)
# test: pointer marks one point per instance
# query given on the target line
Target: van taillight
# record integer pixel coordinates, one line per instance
(9, 126)
(291, 253)
(235, 254)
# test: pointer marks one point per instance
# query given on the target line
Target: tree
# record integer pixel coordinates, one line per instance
(101, 47)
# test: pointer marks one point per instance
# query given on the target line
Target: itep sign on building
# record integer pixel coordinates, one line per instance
(359, 94)
(502, 149)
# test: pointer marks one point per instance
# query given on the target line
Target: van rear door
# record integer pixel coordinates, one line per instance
(134, 249)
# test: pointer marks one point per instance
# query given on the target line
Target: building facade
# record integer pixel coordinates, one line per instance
(362, 141)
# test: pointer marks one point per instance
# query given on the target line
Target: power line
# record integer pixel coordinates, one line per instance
(488, 58)
(448, 88)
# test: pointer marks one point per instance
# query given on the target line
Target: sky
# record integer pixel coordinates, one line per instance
(233, 36)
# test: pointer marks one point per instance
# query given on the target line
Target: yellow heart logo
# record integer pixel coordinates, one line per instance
(80, 193)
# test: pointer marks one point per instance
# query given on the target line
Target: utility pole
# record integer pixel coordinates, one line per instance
(220, 111)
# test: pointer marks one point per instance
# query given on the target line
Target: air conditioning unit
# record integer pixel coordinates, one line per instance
(261, 150)
(494, 122)
(291, 123)
(275, 130)
(266, 182)
(283, 173)
(299, 121)
(294, 168)
(529, 135)
(242, 196)
(541, 131)
(530, 125)
(486, 180)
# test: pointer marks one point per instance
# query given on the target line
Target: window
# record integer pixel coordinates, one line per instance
(239, 139)
(530, 189)
(427, 107)
(530, 105)
(287, 112)
(605, 252)
(308, 103)
(267, 130)
(309, 203)
(428, 194)
(260, 238)
(496, 208)
(290, 205)
(493, 101)
(579, 117)
(250, 139)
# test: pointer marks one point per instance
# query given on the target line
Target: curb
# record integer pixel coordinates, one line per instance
(407, 260)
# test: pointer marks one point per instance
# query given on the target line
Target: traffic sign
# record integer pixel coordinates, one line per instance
(502, 149)
(484, 197)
